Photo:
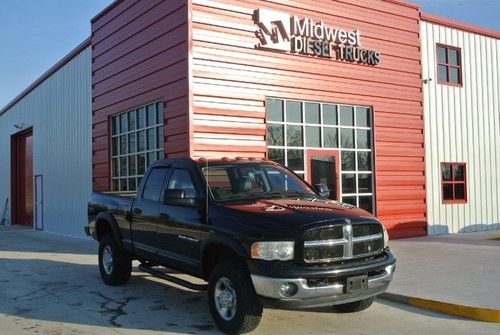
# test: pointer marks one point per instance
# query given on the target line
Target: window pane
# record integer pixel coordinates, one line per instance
(161, 154)
(123, 123)
(363, 117)
(348, 183)
(114, 146)
(115, 167)
(458, 172)
(366, 203)
(123, 166)
(313, 137)
(123, 184)
(151, 139)
(131, 120)
(293, 111)
(364, 183)
(330, 114)
(114, 125)
(312, 113)
(349, 200)
(453, 54)
(346, 116)
(275, 110)
(123, 144)
(131, 184)
(347, 138)
(460, 191)
(277, 155)
(294, 136)
(141, 164)
(154, 184)
(132, 169)
(275, 135)
(159, 112)
(363, 139)
(159, 137)
(131, 143)
(454, 75)
(150, 158)
(141, 141)
(442, 73)
(441, 54)
(141, 117)
(151, 115)
(348, 163)
(116, 185)
(364, 161)
(330, 137)
(295, 160)
(448, 191)
(446, 172)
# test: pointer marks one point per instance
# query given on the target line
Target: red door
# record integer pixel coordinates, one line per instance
(24, 179)
(323, 168)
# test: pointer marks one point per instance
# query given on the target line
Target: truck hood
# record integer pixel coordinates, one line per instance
(272, 215)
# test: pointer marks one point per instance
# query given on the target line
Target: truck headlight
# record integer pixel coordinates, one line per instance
(273, 251)
(386, 237)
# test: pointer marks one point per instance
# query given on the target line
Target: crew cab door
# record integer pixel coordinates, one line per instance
(180, 220)
(144, 223)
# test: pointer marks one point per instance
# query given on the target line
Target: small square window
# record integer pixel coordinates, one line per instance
(449, 65)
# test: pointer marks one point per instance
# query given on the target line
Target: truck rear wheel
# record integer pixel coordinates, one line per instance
(355, 306)
(114, 264)
(232, 299)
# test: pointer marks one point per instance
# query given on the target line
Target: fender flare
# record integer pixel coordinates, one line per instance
(225, 241)
(107, 217)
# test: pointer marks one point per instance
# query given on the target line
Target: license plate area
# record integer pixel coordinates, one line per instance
(356, 284)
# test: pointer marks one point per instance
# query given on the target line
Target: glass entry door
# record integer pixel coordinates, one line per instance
(323, 167)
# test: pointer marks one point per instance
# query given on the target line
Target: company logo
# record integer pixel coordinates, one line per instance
(278, 31)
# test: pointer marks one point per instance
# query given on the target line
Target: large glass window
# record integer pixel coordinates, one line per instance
(293, 127)
(136, 142)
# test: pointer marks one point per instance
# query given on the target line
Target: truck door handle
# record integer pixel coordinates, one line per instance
(137, 211)
(164, 216)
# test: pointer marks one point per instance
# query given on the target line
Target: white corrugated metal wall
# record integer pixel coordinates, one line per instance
(462, 124)
(60, 112)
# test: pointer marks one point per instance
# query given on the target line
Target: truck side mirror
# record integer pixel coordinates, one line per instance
(176, 197)
(322, 190)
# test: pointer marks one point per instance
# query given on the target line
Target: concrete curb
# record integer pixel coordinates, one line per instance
(468, 312)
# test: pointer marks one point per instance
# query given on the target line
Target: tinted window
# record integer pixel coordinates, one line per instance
(154, 184)
(181, 180)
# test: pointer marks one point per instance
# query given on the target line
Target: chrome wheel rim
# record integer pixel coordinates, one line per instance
(225, 299)
(107, 260)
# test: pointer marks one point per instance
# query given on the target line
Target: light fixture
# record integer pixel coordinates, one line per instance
(19, 125)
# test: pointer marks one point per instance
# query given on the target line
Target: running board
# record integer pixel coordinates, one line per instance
(173, 279)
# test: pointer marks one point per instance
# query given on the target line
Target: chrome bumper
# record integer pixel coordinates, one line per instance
(268, 287)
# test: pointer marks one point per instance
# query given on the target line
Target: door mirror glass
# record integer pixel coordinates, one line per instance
(322, 190)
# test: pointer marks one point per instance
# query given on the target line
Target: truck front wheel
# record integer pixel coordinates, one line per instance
(355, 306)
(232, 299)
(114, 264)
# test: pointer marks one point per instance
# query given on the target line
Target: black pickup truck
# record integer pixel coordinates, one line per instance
(253, 230)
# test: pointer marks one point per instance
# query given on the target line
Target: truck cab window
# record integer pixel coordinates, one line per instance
(152, 189)
(181, 180)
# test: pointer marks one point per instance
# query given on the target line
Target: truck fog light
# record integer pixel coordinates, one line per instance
(288, 290)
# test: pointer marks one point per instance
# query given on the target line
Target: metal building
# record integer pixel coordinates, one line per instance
(45, 149)
(461, 66)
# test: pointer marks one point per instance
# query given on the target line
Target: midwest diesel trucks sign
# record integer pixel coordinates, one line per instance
(279, 31)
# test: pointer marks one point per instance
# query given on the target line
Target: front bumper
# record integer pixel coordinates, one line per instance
(334, 292)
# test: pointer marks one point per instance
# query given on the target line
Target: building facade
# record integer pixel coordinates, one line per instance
(342, 93)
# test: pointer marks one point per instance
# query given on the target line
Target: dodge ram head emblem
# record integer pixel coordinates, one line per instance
(273, 30)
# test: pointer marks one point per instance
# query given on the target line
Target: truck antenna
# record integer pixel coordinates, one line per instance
(206, 191)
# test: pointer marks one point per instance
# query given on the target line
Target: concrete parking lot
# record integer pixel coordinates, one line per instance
(50, 285)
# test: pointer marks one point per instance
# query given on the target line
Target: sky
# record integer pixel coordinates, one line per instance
(36, 34)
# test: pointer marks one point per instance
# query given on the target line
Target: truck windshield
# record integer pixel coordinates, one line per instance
(233, 182)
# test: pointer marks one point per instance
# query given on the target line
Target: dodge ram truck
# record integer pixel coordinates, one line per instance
(252, 230)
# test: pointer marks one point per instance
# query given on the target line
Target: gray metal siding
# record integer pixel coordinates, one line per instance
(462, 124)
(60, 112)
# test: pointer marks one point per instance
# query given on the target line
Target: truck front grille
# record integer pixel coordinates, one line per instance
(343, 242)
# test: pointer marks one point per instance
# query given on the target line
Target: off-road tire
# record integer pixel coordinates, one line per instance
(355, 306)
(248, 308)
(121, 262)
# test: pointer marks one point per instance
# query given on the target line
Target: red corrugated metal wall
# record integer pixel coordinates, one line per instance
(139, 55)
(231, 80)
